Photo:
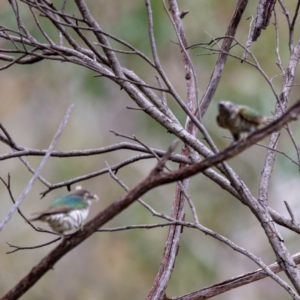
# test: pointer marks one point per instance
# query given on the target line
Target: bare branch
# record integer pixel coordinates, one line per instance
(133, 82)
(18, 248)
(141, 226)
(77, 42)
(227, 285)
(219, 66)
(297, 147)
(38, 171)
(115, 168)
(206, 231)
(263, 16)
(147, 206)
(290, 212)
(294, 21)
(279, 63)
(255, 64)
(156, 177)
(21, 151)
(8, 187)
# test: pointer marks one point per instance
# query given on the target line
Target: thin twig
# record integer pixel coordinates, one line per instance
(181, 186)
(18, 248)
(38, 171)
(141, 226)
(290, 212)
(8, 187)
(297, 147)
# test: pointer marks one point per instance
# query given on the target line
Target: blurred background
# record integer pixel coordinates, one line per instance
(123, 265)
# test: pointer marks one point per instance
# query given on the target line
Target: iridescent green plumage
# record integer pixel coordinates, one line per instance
(239, 119)
(72, 201)
(251, 115)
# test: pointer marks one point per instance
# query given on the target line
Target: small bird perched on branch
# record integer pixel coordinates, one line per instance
(239, 119)
(68, 212)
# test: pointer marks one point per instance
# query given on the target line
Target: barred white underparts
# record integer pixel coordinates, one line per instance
(239, 125)
(61, 222)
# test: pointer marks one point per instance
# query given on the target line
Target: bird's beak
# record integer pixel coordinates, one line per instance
(95, 197)
(221, 103)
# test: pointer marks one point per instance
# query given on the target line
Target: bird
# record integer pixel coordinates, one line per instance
(239, 119)
(67, 212)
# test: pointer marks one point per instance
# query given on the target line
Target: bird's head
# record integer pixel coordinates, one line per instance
(86, 195)
(227, 107)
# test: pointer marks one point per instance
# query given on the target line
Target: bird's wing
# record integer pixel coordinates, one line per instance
(51, 211)
(72, 201)
(62, 205)
(250, 114)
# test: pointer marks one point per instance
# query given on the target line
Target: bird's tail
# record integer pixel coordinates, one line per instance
(33, 219)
